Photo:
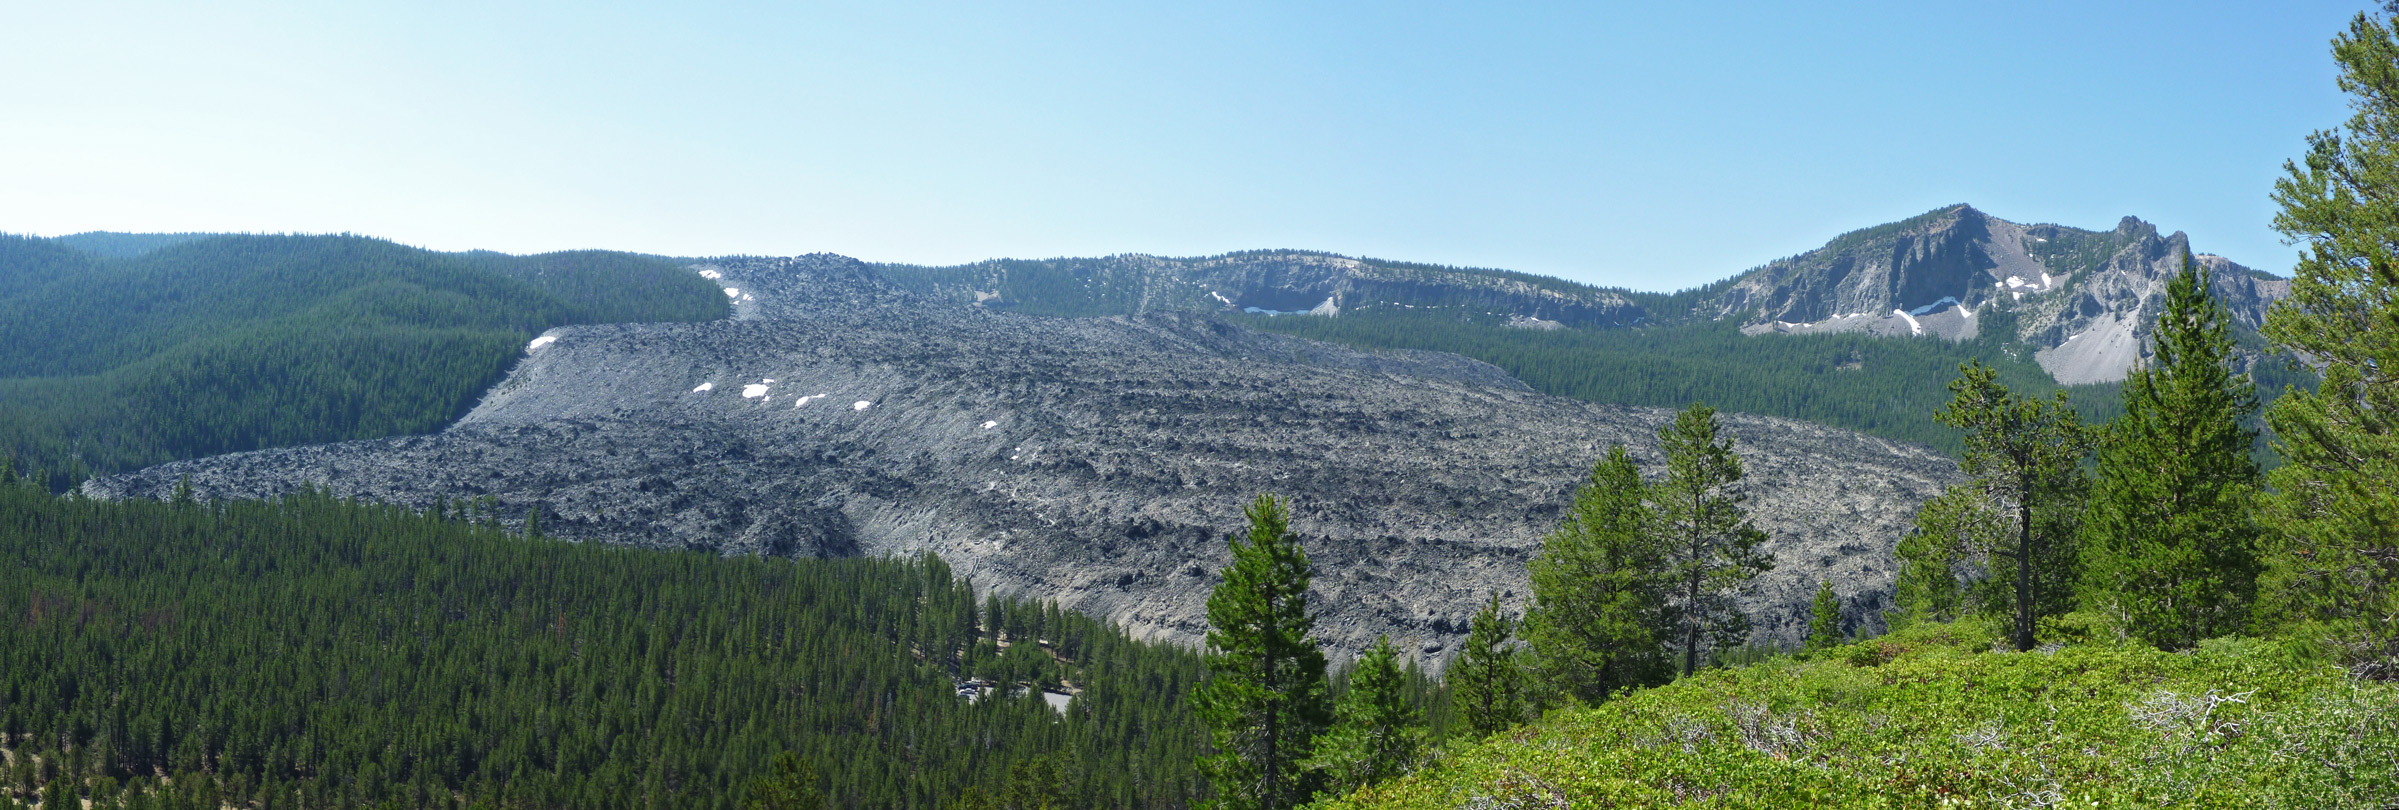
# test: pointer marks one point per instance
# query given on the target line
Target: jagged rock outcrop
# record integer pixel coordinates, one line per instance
(2081, 301)
(1099, 462)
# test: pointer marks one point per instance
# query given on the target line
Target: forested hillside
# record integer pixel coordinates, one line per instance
(232, 343)
(1883, 387)
(318, 653)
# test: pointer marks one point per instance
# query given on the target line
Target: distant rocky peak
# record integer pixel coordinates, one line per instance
(2083, 300)
(2132, 227)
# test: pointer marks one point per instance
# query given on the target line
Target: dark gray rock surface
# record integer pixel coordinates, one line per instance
(1099, 462)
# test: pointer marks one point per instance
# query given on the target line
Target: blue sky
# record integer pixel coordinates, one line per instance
(1650, 145)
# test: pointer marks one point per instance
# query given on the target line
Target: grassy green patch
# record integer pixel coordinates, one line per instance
(1932, 718)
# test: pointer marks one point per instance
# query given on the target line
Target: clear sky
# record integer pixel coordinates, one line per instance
(1654, 145)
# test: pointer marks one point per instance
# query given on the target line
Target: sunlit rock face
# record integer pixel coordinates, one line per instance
(2082, 302)
(1099, 462)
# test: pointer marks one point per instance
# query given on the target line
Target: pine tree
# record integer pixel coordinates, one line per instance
(1824, 622)
(1264, 700)
(2335, 508)
(1711, 547)
(2024, 455)
(2168, 541)
(1954, 530)
(1484, 681)
(792, 786)
(1377, 733)
(1597, 622)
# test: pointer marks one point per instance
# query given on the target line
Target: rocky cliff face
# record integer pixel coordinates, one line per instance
(2082, 301)
(1270, 281)
(1096, 461)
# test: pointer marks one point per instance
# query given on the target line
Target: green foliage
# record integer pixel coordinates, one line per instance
(791, 785)
(1942, 553)
(1485, 681)
(1377, 733)
(1880, 386)
(316, 653)
(2025, 457)
(1033, 784)
(2168, 540)
(1824, 620)
(1711, 548)
(604, 286)
(1597, 621)
(1927, 717)
(233, 343)
(2335, 511)
(1263, 702)
(115, 245)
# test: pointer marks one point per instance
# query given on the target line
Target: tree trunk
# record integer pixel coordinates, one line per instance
(1691, 625)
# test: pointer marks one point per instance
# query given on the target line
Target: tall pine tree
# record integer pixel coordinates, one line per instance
(1711, 547)
(2168, 541)
(1484, 682)
(1264, 700)
(1597, 622)
(2336, 511)
(1377, 732)
(2025, 456)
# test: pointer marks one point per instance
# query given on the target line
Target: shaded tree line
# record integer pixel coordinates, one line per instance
(311, 652)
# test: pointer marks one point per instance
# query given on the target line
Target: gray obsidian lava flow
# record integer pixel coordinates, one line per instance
(1099, 462)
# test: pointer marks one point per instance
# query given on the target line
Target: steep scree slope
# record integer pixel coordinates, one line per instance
(1099, 462)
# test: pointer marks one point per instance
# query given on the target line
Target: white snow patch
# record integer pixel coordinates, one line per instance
(732, 292)
(2045, 281)
(703, 387)
(746, 298)
(711, 275)
(861, 405)
(753, 391)
(539, 342)
(1911, 319)
(1220, 297)
(804, 400)
(991, 424)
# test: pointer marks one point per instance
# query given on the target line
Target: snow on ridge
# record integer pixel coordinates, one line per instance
(711, 274)
(732, 292)
(704, 387)
(753, 390)
(539, 342)
(1220, 297)
(1911, 319)
(991, 424)
(861, 405)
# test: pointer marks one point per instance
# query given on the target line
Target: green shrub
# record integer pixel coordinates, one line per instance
(1930, 717)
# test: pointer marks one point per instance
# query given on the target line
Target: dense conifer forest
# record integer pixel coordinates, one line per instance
(217, 344)
(312, 652)
(1873, 385)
